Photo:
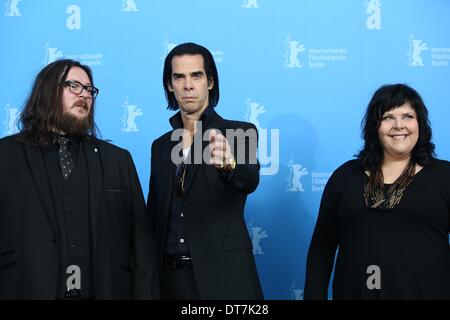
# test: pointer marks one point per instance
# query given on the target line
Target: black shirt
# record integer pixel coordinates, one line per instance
(177, 240)
(409, 244)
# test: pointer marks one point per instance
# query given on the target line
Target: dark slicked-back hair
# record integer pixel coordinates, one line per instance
(43, 109)
(386, 98)
(209, 65)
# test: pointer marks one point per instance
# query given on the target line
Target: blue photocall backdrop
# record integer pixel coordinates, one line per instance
(303, 71)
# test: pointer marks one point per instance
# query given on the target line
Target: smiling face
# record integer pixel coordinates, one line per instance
(399, 132)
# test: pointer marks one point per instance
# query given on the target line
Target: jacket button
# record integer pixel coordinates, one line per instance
(54, 238)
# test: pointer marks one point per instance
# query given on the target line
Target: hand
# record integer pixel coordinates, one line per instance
(221, 156)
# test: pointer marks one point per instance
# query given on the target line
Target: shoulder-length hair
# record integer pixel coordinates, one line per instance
(42, 113)
(209, 65)
(386, 98)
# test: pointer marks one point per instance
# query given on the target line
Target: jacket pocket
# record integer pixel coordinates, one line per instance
(119, 190)
(237, 241)
(7, 259)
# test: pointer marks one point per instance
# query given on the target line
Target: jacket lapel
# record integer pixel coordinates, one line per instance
(216, 122)
(94, 165)
(37, 167)
(167, 171)
(193, 167)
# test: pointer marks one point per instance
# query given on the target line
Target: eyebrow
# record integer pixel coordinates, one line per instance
(197, 73)
(389, 113)
(87, 84)
(193, 74)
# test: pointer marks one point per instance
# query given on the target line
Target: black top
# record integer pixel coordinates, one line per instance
(409, 244)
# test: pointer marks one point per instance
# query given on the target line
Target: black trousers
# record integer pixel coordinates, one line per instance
(178, 284)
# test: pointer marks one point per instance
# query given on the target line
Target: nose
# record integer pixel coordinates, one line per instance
(399, 123)
(188, 84)
(85, 94)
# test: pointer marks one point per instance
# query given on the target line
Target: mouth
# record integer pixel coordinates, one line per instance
(81, 109)
(399, 137)
(81, 105)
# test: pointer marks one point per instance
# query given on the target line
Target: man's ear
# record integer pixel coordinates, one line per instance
(210, 83)
(169, 86)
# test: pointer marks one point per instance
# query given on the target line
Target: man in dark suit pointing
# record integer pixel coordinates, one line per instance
(201, 174)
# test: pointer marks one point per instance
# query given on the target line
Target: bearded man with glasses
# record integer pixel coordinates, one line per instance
(73, 223)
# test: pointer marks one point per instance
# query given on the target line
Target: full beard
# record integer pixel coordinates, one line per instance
(74, 126)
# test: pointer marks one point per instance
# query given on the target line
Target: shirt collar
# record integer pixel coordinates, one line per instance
(177, 123)
(74, 143)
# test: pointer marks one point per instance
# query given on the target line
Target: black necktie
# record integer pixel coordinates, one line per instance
(65, 157)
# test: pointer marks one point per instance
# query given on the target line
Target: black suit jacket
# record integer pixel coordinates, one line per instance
(221, 249)
(123, 246)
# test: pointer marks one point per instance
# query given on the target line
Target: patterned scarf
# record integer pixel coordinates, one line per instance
(377, 197)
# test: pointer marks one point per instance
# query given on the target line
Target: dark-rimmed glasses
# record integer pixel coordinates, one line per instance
(77, 87)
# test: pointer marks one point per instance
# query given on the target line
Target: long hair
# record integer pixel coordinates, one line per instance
(43, 109)
(386, 98)
(190, 48)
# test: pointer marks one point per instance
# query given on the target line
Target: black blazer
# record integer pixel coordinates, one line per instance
(221, 249)
(123, 246)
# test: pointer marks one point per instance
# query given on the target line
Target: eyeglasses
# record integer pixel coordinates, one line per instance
(77, 88)
(180, 173)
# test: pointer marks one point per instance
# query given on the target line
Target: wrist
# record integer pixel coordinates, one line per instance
(229, 167)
